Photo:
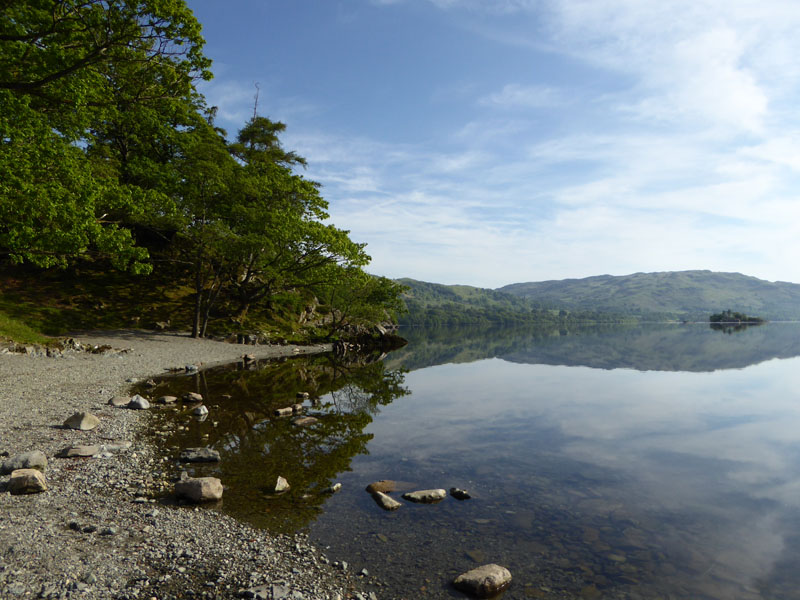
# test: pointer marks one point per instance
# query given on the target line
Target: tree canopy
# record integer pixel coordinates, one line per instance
(108, 152)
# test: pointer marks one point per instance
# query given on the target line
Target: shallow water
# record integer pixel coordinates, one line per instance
(654, 462)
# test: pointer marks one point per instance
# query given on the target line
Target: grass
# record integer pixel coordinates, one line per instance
(16, 330)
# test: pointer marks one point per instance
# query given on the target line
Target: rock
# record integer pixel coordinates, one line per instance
(27, 481)
(385, 501)
(248, 358)
(305, 421)
(82, 420)
(191, 368)
(199, 489)
(284, 412)
(78, 451)
(34, 459)
(334, 488)
(459, 494)
(425, 496)
(297, 408)
(302, 395)
(200, 411)
(193, 455)
(384, 485)
(167, 400)
(150, 383)
(192, 397)
(115, 447)
(485, 581)
(139, 403)
(119, 401)
(281, 485)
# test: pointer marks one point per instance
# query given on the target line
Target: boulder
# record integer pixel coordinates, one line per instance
(425, 496)
(139, 403)
(193, 455)
(78, 451)
(485, 581)
(83, 421)
(385, 501)
(200, 411)
(384, 485)
(27, 481)
(167, 400)
(34, 459)
(199, 489)
(192, 397)
(119, 401)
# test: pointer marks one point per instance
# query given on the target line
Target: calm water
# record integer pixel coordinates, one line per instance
(637, 462)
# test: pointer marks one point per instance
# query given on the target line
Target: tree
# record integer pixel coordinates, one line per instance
(64, 65)
(358, 298)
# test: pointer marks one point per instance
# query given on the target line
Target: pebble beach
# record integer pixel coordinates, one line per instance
(95, 533)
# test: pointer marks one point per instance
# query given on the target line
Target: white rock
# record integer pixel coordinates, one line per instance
(139, 403)
(426, 496)
(385, 501)
(200, 411)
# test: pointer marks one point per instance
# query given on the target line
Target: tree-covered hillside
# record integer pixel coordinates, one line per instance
(690, 295)
(436, 304)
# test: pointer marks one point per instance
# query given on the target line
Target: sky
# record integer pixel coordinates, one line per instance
(488, 142)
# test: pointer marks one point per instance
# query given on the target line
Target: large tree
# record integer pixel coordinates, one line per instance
(65, 65)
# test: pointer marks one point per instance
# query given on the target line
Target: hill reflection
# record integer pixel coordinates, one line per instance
(650, 347)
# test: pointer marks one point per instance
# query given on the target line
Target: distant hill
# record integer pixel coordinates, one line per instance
(691, 295)
(435, 304)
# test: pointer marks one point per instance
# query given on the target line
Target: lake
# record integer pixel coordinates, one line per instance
(656, 461)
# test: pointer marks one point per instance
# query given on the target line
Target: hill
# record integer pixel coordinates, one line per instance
(435, 304)
(690, 295)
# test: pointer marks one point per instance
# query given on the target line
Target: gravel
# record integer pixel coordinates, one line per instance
(97, 532)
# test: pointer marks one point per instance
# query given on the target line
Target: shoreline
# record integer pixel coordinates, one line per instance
(85, 537)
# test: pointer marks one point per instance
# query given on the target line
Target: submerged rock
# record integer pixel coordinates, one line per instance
(27, 481)
(305, 421)
(167, 400)
(384, 485)
(83, 421)
(193, 455)
(192, 397)
(284, 412)
(426, 496)
(34, 459)
(485, 581)
(200, 411)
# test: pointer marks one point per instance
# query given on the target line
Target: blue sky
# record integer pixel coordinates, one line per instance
(487, 142)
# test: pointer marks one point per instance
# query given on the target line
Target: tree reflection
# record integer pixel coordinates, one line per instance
(256, 446)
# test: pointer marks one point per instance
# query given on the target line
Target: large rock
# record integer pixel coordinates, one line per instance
(119, 401)
(485, 581)
(27, 481)
(79, 451)
(199, 489)
(34, 459)
(139, 403)
(82, 420)
(385, 501)
(425, 496)
(194, 455)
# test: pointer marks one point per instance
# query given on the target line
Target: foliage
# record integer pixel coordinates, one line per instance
(729, 316)
(63, 66)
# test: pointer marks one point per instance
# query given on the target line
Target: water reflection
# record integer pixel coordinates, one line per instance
(256, 446)
(654, 347)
